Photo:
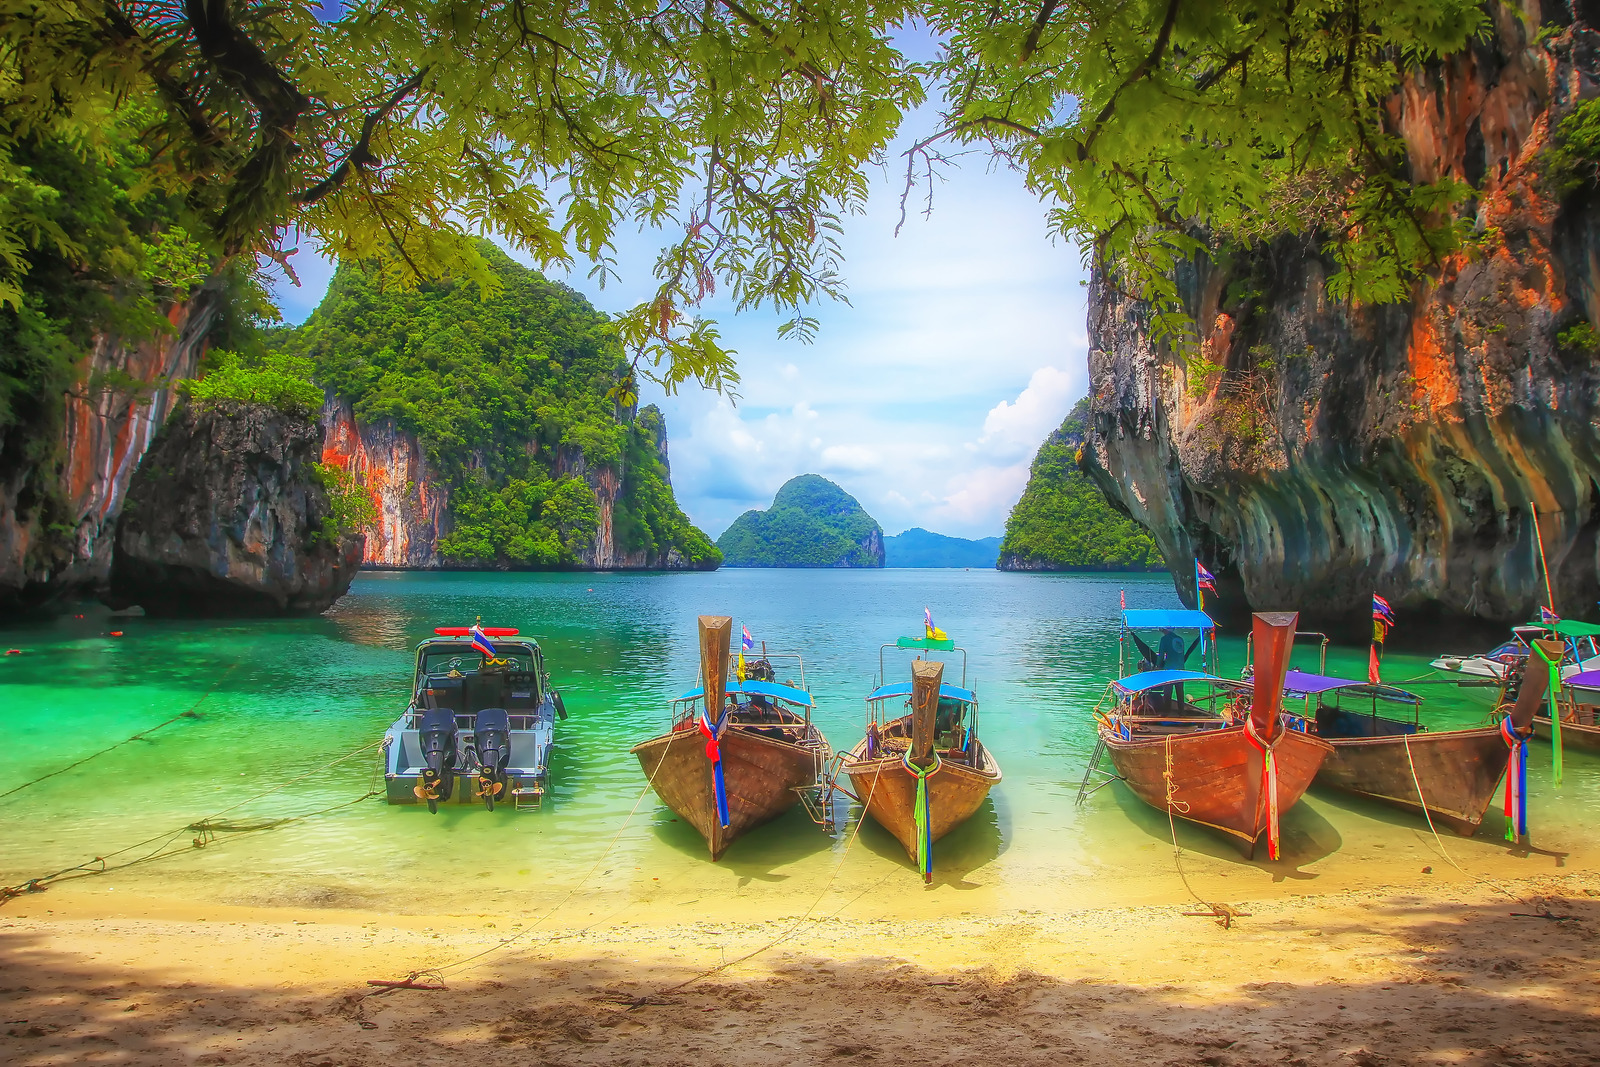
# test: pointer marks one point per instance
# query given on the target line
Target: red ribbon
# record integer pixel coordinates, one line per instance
(1269, 784)
(713, 751)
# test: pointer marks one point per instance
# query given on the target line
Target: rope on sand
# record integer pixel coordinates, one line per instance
(1223, 913)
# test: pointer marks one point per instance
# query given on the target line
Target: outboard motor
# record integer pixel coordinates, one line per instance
(437, 735)
(492, 740)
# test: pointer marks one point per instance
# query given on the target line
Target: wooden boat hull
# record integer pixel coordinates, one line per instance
(1216, 776)
(889, 792)
(1459, 771)
(1573, 734)
(761, 775)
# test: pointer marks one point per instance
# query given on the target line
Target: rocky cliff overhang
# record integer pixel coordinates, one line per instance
(104, 434)
(1411, 450)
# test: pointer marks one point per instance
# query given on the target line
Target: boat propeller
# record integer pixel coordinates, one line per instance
(492, 741)
(437, 735)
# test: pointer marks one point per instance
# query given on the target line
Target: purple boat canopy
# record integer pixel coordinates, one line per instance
(1589, 680)
(1301, 684)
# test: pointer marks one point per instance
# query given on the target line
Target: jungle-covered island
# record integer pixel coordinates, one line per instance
(811, 523)
(530, 459)
(1062, 521)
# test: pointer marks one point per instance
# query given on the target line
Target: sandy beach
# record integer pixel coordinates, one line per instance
(1460, 973)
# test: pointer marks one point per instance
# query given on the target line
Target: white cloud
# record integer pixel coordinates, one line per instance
(1015, 428)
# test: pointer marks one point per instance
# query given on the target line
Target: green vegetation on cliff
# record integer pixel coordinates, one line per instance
(812, 523)
(1063, 523)
(510, 394)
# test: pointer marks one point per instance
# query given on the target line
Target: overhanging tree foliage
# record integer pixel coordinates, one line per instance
(1151, 126)
(403, 128)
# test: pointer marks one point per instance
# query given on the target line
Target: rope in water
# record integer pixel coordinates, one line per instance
(206, 830)
(189, 713)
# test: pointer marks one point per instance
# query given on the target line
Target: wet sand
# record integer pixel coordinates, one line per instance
(1453, 972)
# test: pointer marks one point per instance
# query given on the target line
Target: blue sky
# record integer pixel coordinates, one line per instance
(964, 344)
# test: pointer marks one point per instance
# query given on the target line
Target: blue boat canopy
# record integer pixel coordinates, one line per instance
(753, 688)
(903, 689)
(1138, 683)
(1166, 619)
(1299, 683)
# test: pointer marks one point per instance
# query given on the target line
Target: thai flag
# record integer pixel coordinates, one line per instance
(747, 642)
(1204, 578)
(1381, 611)
(927, 618)
(1548, 617)
(481, 643)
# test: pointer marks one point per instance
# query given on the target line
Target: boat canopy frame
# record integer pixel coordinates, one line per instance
(885, 691)
(1309, 687)
(1168, 619)
(797, 697)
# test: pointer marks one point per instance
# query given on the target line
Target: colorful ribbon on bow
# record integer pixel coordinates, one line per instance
(922, 814)
(1555, 712)
(714, 754)
(1516, 780)
(1269, 785)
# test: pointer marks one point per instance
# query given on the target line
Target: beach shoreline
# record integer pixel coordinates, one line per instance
(1458, 972)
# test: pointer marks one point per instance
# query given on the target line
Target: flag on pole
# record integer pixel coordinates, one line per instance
(1381, 611)
(1382, 620)
(930, 631)
(1204, 578)
(1548, 617)
(747, 642)
(481, 643)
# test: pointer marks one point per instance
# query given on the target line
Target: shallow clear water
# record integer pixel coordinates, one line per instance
(278, 701)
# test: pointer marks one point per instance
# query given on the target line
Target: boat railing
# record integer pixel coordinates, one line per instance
(1322, 651)
(466, 721)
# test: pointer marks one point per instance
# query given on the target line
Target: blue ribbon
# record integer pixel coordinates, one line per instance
(712, 746)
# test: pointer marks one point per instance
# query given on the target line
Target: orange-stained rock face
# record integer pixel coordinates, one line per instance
(1400, 449)
(412, 505)
(104, 435)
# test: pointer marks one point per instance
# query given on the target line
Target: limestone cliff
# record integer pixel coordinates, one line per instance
(413, 500)
(1402, 449)
(57, 519)
(227, 516)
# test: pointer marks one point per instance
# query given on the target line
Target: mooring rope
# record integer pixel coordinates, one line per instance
(205, 829)
(189, 713)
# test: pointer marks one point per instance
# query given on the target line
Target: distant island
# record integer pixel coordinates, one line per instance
(923, 548)
(1063, 523)
(812, 523)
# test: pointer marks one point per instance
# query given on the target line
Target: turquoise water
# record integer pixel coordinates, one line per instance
(276, 702)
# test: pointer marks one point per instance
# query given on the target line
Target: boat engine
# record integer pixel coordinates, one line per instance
(437, 736)
(492, 740)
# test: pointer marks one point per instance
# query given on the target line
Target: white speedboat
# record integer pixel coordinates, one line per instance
(1583, 654)
(480, 724)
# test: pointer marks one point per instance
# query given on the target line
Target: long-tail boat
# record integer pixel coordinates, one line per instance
(1580, 712)
(921, 774)
(1220, 754)
(1393, 758)
(735, 756)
